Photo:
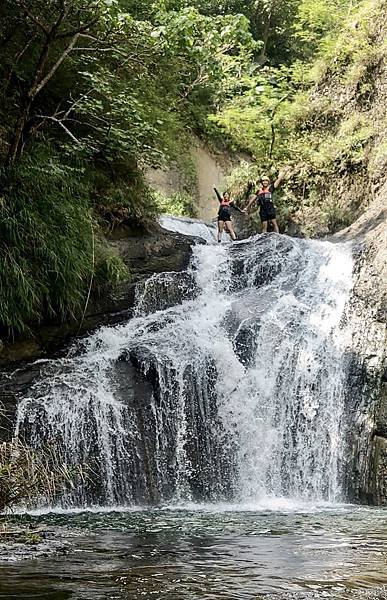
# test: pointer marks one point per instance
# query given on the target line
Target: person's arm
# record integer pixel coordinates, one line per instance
(218, 195)
(251, 201)
(283, 174)
(233, 205)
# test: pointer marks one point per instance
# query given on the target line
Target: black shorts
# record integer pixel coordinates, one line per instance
(224, 215)
(267, 213)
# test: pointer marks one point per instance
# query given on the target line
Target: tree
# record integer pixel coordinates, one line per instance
(271, 24)
(113, 83)
(55, 33)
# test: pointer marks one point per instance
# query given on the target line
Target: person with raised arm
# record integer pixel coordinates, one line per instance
(264, 198)
(224, 215)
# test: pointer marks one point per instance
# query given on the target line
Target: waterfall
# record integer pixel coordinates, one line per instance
(192, 227)
(236, 392)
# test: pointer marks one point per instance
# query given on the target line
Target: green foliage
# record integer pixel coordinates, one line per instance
(257, 119)
(271, 23)
(300, 115)
(121, 197)
(109, 267)
(91, 93)
(239, 179)
(179, 204)
(209, 52)
(357, 44)
(319, 22)
(46, 241)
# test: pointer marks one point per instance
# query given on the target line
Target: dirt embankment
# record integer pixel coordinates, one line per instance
(211, 169)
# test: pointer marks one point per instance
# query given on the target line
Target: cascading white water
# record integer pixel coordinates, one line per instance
(236, 393)
(192, 227)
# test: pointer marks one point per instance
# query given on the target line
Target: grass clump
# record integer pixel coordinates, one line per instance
(109, 267)
(29, 476)
(120, 196)
(47, 242)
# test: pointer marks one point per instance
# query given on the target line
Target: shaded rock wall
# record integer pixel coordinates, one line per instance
(367, 387)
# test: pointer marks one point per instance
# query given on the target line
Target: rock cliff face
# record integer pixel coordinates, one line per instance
(349, 130)
(210, 169)
(367, 385)
(367, 389)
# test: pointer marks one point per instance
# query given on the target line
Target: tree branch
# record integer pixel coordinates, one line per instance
(82, 29)
(16, 60)
(55, 67)
(273, 132)
(32, 17)
(61, 124)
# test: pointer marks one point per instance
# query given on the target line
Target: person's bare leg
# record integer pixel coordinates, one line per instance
(275, 225)
(264, 227)
(230, 230)
(220, 230)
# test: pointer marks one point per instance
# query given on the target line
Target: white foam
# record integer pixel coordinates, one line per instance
(191, 227)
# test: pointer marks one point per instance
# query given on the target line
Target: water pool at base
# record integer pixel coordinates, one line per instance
(205, 553)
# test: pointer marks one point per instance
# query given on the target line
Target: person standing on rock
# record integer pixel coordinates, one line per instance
(224, 215)
(264, 197)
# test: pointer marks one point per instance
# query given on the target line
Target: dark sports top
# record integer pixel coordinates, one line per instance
(225, 205)
(265, 197)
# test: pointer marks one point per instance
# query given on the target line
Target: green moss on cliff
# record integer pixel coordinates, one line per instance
(339, 139)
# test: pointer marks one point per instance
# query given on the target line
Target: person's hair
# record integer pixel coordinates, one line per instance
(224, 193)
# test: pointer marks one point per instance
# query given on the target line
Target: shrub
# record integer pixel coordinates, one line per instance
(28, 476)
(179, 204)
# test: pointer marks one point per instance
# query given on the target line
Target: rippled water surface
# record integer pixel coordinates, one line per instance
(206, 553)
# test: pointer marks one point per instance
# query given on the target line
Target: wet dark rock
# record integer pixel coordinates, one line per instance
(246, 342)
(271, 261)
(367, 390)
(212, 468)
(13, 385)
(136, 391)
(165, 290)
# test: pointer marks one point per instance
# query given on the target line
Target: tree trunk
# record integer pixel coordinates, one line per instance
(37, 85)
(15, 146)
(265, 37)
(17, 136)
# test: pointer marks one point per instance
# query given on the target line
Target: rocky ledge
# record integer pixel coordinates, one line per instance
(145, 254)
